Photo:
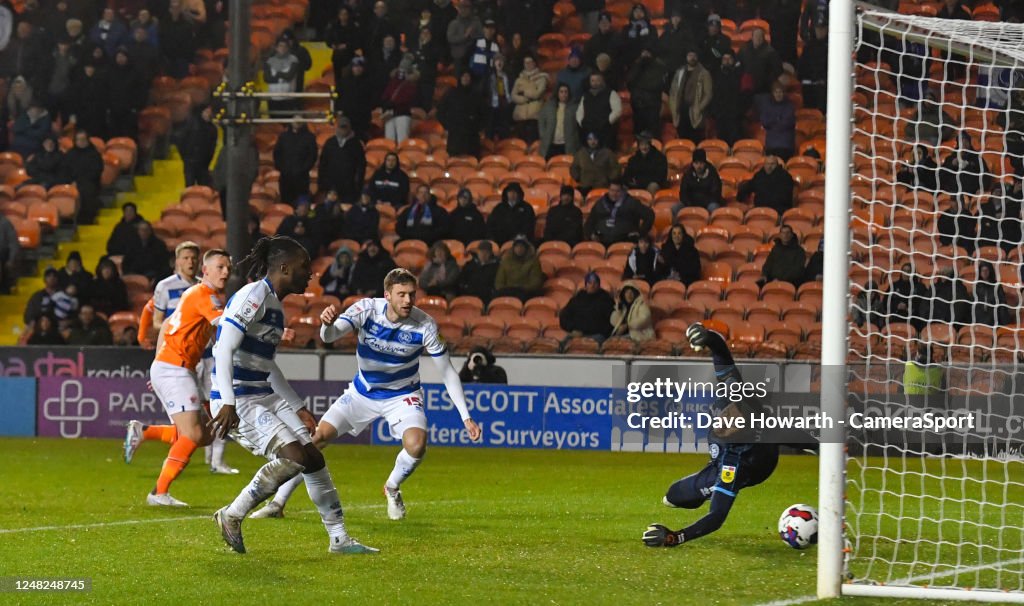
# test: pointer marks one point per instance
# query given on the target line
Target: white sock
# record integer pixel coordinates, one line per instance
(324, 495)
(284, 492)
(262, 485)
(405, 464)
(217, 449)
(208, 454)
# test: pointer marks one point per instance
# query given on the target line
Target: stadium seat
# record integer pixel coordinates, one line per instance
(504, 308)
(524, 328)
(704, 291)
(451, 329)
(724, 311)
(693, 217)
(618, 346)
(688, 312)
(588, 254)
(672, 330)
(762, 312)
(655, 347)
(581, 346)
(487, 327)
(799, 314)
(778, 291)
(743, 293)
(437, 307)
(543, 345)
(782, 332)
(668, 293)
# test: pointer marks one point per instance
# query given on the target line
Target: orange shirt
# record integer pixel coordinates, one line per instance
(146, 322)
(190, 327)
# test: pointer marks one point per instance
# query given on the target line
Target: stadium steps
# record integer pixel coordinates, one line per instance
(152, 193)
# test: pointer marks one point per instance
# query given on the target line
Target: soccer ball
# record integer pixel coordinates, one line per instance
(798, 526)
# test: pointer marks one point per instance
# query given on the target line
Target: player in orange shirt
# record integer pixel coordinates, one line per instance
(180, 345)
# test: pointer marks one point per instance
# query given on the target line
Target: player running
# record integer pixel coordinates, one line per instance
(392, 335)
(165, 300)
(733, 466)
(180, 345)
(253, 401)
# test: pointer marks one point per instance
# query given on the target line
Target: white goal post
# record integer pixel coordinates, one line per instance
(901, 516)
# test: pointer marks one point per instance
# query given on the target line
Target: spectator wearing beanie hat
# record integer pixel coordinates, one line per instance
(466, 221)
(588, 313)
(701, 185)
(519, 273)
(576, 74)
(565, 220)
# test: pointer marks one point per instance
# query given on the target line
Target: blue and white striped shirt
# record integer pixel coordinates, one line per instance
(168, 291)
(387, 353)
(256, 311)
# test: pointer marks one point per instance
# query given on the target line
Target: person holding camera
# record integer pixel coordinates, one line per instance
(480, 367)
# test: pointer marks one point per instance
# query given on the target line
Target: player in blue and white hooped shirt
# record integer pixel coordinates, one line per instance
(253, 400)
(392, 335)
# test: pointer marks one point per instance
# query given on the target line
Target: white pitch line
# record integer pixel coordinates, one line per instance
(183, 518)
(906, 581)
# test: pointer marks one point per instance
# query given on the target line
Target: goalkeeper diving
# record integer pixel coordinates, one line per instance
(733, 466)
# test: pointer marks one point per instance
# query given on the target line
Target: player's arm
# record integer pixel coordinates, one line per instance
(700, 337)
(283, 388)
(658, 535)
(243, 311)
(334, 326)
(160, 300)
(435, 346)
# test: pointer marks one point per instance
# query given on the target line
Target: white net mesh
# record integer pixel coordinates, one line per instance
(936, 266)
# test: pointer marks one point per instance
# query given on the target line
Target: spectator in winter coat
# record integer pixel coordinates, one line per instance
(599, 111)
(462, 32)
(74, 274)
(354, 101)
(109, 32)
(362, 221)
(778, 117)
(559, 133)
(644, 262)
(424, 219)
(593, 165)
(127, 96)
(772, 186)
(484, 50)
(907, 294)
(921, 171)
(639, 34)
(618, 217)
(300, 227)
(588, 312)
(295, 154)
(949, 301)
(575, 74)
(689, 96)
(701, 185)
(148, 255)
(648, 167)
(41, 301)
(646, 82)
(87, 100)
(89, 329)
(565, 220)
(760, 63)
(397, 99)
(342, 163)
(990, 306)
(383, 60)
(957, 225)
(676, 40)
(632, 317)
(337, 279)
(466, 222)
(46, 166)
(479, 274)
(440, 276)
(512, 217)
(459, 113)
(813, 68)
(198, 144)
(786, 260)
(679, 256)
(126, 230)
(344, 38)
(605, 41)
(372, 266)
(281, 72)
(497, 96)
(389, 183)
(425, 59)
(519, 273)
(715, 44)
(528, 97)
(726, 108)
(31, 127)
(85, 167)
(108, 293)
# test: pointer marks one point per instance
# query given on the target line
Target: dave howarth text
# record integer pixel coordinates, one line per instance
(757, 421)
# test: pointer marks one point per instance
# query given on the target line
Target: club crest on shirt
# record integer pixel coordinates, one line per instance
(248, 311)
(404, 337)
(728, 473)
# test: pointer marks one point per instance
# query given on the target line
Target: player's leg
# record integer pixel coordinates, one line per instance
(286, 438)
(191, 433)
(694, 490)
(137, 433)
(326, 430)
(216, 462)
(414, 447)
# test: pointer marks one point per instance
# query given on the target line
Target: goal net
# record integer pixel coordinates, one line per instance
(935, 272)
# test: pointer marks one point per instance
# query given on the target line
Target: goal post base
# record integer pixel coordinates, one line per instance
(932, 593)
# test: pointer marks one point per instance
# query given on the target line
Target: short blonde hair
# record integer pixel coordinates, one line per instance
(186, 245)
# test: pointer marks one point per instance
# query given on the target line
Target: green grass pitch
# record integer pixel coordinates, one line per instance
(484, 526)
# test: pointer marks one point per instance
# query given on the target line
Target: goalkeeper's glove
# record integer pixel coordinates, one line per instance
(657, 535)
(697, 335)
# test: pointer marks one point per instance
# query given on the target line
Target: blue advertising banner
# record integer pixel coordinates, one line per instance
(18, 407)
(578, 418)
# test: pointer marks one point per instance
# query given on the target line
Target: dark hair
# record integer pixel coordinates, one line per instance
(267, 252)
(399, 275)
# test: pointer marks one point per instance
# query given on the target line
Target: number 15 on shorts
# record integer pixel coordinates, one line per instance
(413, 401)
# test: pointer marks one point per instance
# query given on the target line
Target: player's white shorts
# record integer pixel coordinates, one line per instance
(352, 412)
(176, 387)
(265, 423)
(204, 372)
